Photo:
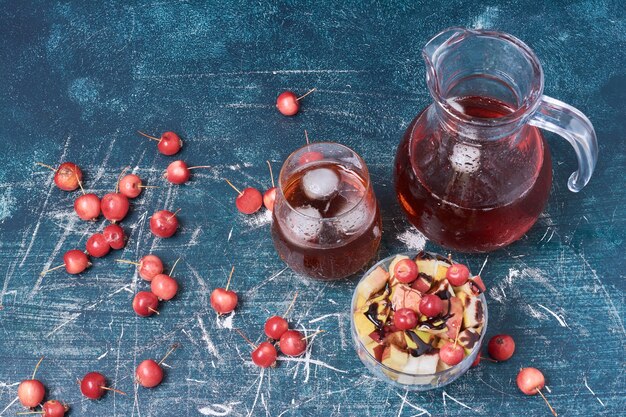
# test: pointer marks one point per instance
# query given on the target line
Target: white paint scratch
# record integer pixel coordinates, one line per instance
(413, 406)
(258, 220)
(445, 395)
(205, 336)
(258, 390)
(63, 324)
(197, 381)
(103, 355)
(413, 239)
(591, 391)
(325, 316)
(312, 361)
(8, 406)
(483, 267)
(558, 317)
(226, 322)
(230, 234)
(217, 409)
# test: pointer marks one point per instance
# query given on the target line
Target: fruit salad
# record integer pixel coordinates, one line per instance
(420, 317)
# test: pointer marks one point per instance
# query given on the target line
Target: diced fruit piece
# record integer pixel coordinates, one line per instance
(442, 270)
(363, 325)
(468, 338)
(375, 336)
(395, 358)
(473, 315)
(376, 350)
(426, 337)
(373, 283)
(360, 302)
(405, 297)
(423, 364)
(456, 316)
(397, 339)
(442, 287)
(421, 284)
(427, 266)
(478, 282)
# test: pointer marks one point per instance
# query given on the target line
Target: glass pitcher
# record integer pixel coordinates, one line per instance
(473, 171)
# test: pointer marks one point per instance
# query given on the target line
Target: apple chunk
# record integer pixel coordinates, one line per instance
(395, 358)
(373, 283)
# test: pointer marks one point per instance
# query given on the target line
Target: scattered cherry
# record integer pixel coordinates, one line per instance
(150, 266)
(431, 305)
(87, 206)
(264, 355)
(53, 408)
(169, 143)
(288, 103)
(405, 319)
(222, 299)
(115, 236)
(275, 327)
(292, 343)
(451, 353)
(114, 206)
(531, 381)
(178, 172)
(164, 286)
(405, 271)
(94, 385)
(31, 391)
(164, 223)
(310, 156)
(97, 245)
(74, 261)
(457, 274)
(249, 200)
(501, 347)
(131, 186)
(269, 196)
(149, 373)
(145, 304)
(67, 176)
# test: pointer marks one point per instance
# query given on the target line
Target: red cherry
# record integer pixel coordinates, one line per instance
(164, 287)
(287, 103)
(451, 353)
(501, 347)
(114, 206)
(93, 385)
(530, 380)
(31, 392)
(130, 185)
(292, 343)
(97, 245)
(275, 327)
(87, 206)
(75, 261)
(223, 301)
(405, 319)
(164, 223)
(405, 271)
(115, 236)
(269, 197)
(431, 305)
(68, 176)
(264, 355)
(170, 143)
(149, 373)
(177, 172)
(145, 304)
(249, 200)
(457, 275)
(150, 266)
(477, 360)
(53, 408)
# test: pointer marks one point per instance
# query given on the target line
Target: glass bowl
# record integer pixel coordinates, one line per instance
(409, 381)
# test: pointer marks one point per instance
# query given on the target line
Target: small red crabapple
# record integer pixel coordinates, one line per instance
(223, 300)
(431, 305)
(115, 236)
(87, 206)
(405, 271)
(164, 223)
(145, 304)
(169, 142)
(288, 103)
(149, 373)
(97, 245)
(164, 286)
(178, 172)
(292, 343)
(131, 186)
(501, 347)
(94, 385)
(451, 353)
(67, 176)
(249, 200)
(275, 327)
(264, 355)
(269, 196)
(114, 206)
(531, 381)
(457, 274)
(53, 408)
(31, 391)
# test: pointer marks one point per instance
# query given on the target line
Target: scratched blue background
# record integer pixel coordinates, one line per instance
(77, 81)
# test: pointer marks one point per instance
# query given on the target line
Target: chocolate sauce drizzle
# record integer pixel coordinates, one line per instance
(422, 347)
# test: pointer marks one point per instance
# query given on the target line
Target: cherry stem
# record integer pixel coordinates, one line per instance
(45, 166)
(51, 269)
(229, 277)
(313, 334)
(173, 215)
(37, 367)
(271, 174)
(293, 301)
(306, 94)
(245, 338)
(200, 166)
(169, 352)
(456, 339)
(148, 136)
(148, 186)
(21, 413)
(483, 358)
(119, 178)
(80, 183)
(174, 267)
(154, 311)
(306, 136)
(547, 403)
(235, 188)
(124, 261)
(113, 389)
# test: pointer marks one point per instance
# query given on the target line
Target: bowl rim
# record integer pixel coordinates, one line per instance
(412, 255)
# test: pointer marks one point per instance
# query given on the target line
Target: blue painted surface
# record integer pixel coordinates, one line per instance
(78, 81)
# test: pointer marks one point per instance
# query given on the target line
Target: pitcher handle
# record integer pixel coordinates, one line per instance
(575, 127)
